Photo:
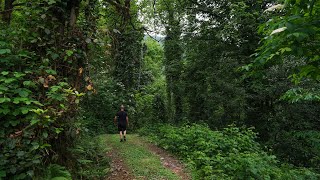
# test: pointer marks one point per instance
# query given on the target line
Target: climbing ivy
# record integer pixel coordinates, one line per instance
(42, 65)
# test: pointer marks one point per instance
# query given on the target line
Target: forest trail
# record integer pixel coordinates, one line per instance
(137, 159)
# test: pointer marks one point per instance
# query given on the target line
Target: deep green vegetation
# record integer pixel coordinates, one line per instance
(66, 66)
(231, 153)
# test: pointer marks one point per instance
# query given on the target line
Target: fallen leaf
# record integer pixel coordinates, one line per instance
(50, 78)
(80, 71)
(89, 87)
(46, 83)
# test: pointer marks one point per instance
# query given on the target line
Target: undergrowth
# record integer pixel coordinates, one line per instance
(91, 160)
(88, 161)
(231, 153)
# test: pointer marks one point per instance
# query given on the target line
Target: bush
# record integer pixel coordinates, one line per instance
(90, 157)
(231, 153)
(55, 171)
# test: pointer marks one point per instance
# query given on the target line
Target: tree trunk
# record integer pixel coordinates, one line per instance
(8, 9)
(74, 12)
(173, 54)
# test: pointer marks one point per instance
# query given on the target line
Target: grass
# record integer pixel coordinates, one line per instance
(139, 159)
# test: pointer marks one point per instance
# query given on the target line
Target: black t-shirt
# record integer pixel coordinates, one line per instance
(122, 117)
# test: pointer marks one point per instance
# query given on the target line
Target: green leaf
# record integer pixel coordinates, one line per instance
(47, 31)
(45, 134)
(18, 74)
(3, 88)
(50, 2)
(30, 173)
(4, 111)
(20, 153)
(36, 161)
(34, 121)
(3, 100)
(27, 83)
(59, 178)
(38, 111)
(286, 49)
(35, 146)
(58, 130)
(21, 176)
(14, 122)
(5, 73)
(45, 145)
(37, 103)
(41, 80)
(84, 161)
(2, 174)
(16, 100)
(23, 54)
(5, 51)
(9, 80)
(54, 56)
(23, 93)
(25, 110)
(51, 71)
(69, 52)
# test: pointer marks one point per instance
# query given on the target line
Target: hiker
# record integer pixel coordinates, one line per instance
(122, 122)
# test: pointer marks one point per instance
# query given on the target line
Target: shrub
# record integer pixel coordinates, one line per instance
(55, 171)
(231, 153)
(90, 160)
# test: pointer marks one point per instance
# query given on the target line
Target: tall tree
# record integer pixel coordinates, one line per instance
(173, 64)
(126, 41)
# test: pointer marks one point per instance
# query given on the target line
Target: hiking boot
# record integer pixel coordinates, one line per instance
(120, 140)
(125, 139)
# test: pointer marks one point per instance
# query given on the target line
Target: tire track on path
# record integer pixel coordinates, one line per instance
(137, 159)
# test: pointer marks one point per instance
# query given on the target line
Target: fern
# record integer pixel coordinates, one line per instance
(57, 172)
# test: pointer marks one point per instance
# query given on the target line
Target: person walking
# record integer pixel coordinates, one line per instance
(123, 122)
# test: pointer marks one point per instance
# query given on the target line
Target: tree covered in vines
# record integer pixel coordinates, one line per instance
(44, 70)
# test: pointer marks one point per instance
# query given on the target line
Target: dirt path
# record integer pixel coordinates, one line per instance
(170, 161)
(137, 159)
(119, 170)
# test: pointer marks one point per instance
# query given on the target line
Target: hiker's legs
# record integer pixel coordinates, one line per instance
(120, 134)
(120, 131)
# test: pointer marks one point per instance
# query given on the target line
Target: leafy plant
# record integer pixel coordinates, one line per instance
(231, 153)
(91, 161)
(39, 85)
(57, 172)
(294, 33)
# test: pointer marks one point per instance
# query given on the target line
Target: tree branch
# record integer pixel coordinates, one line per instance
(147, 31)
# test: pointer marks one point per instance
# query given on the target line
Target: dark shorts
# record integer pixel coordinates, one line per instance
(122, 127)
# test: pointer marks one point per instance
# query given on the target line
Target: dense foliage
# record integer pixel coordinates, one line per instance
(231, 153)
(287, 52)
(44, 56)
(234, 68)
(67, 66)
(42, 65)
